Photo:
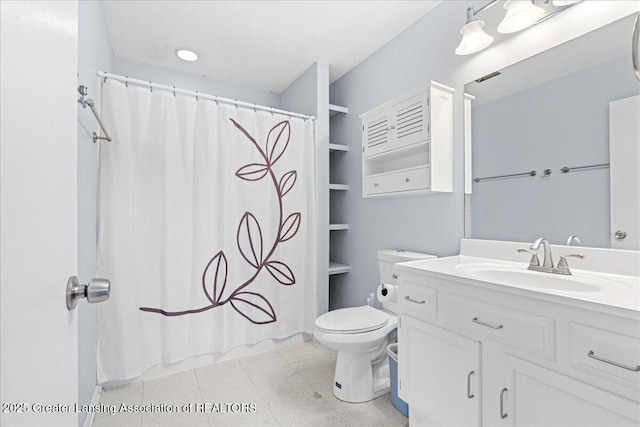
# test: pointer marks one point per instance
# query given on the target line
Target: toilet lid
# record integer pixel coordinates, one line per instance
(352, 320)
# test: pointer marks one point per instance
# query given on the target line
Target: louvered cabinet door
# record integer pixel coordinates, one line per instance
(376, 137)
(410, 121)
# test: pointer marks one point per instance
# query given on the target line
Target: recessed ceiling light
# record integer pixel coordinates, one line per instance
(187, 55)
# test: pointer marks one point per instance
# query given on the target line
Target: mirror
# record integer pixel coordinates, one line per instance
(541, 115)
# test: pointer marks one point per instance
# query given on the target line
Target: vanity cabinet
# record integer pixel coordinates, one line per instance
(440, 370)
(472, 355)
(407, 144)
(535, 396)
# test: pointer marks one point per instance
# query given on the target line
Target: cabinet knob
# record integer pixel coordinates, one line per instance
(620, 235)
(407, 180)
(375, 184)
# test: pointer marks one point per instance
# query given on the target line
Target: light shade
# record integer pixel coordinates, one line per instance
(474, 39)
(187, 55)
(521, 14)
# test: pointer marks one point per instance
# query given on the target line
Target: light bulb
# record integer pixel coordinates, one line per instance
(187, 55)
(474, 39)
(521, 14)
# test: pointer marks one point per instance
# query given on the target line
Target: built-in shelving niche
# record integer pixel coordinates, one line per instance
(337, 229)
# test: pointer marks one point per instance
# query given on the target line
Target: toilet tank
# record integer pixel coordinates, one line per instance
(388, 257)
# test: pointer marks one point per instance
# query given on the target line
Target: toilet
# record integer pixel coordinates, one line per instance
(360, 335)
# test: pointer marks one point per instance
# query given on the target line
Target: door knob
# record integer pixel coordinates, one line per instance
(97, 290)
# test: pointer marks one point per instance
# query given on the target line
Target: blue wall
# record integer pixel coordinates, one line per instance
(431, 223)
(563, 122)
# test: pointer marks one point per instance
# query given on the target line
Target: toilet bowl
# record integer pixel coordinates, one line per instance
(360, 335)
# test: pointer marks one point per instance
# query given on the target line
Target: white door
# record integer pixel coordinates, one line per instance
(624, 156)
(536, 396)
(376, 134)
(38, 216)
(410, 123)
(439, 373)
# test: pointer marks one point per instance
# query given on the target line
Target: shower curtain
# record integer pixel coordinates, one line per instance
(206, 223)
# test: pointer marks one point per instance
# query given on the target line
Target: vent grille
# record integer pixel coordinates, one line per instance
(377, 133)
(410, 120)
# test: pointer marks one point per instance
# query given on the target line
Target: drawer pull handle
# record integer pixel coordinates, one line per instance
(469, 395)
(592, 355)
(502, 414)
(415, 301)
(475, 320)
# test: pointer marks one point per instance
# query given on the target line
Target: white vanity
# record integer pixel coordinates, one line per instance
(484, 341)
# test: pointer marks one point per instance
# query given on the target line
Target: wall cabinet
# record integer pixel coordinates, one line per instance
(407, 143)
(472, 356)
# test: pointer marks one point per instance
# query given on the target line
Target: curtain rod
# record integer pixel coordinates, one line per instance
(151, 86)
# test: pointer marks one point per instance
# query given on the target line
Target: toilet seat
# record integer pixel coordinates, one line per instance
(353, 320)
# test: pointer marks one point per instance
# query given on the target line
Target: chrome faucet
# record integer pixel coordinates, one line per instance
(574, 240)
(548, 257)
(547, 265)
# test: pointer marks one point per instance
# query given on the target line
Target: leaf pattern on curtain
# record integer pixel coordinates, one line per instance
(249, 239)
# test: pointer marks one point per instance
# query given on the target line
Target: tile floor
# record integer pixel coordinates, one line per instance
(289, 387)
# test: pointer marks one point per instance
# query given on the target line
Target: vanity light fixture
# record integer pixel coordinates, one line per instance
(187, 55)
(474, 39)
(520, 14)
(561, 3)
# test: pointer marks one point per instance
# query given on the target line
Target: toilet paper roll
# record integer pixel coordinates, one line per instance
(387, 293)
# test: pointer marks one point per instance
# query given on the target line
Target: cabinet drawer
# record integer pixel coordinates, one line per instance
(417, 300)
(606, 355)
(413, 179)
(524, 331)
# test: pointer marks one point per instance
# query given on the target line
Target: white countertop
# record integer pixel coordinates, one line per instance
(613, 290)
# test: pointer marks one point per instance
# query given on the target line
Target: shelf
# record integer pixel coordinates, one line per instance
(338, 147)
(338, 227)
(334, 110)
(378, 175)
(341, 187)
(398, 153)
(337, 268)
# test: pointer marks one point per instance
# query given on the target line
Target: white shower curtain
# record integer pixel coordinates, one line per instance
(206, 228)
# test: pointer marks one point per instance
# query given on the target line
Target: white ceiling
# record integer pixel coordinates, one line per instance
(263, 45)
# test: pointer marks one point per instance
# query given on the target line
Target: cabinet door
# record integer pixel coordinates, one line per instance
(376, 134)
(439, 373)
(410, 121)
(537, 396)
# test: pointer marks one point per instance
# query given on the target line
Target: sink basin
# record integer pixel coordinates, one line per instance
(520, 276)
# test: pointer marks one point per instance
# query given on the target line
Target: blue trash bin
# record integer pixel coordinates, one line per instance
(398, 403)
